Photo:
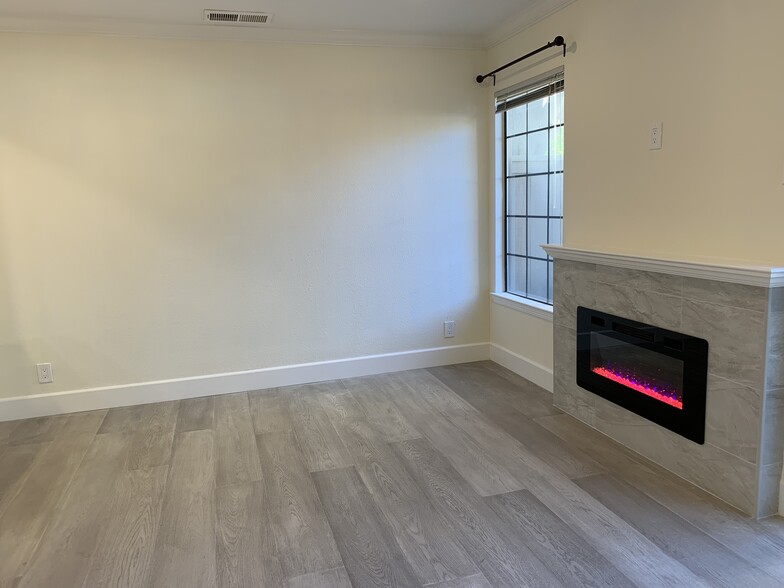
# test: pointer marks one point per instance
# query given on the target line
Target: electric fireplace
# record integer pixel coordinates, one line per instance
(658, 374)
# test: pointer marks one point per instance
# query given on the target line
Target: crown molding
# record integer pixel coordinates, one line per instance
(529, 17)
(752, 275)
(204, 32)
(207, 32)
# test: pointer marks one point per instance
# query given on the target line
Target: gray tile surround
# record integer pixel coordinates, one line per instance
(577, 404)
(655, 308)
(741, 460)
(640, 280)
(768, 501)
(708, 466)
(776, 300)
(740, 295)
(774, 376)
(772, 444)
(732, 419)
(735, 337)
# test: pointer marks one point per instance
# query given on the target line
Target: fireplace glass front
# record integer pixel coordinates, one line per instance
(653, 372)
(639, 369)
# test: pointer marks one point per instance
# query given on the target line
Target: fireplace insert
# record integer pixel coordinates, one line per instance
(658, 374)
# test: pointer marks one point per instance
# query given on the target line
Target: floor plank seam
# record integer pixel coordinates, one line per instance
(454, 477)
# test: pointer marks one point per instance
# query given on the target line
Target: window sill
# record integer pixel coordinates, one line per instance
(531, 307)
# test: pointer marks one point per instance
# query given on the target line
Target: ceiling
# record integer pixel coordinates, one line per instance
(431, 22)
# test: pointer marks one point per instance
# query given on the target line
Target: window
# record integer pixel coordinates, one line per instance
(530, 128)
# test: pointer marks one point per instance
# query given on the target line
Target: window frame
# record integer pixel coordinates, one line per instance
(501, 294)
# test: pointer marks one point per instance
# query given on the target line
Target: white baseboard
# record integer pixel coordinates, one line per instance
(22, 407)
(530, 370)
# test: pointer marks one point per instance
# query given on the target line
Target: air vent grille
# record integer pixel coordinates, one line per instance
(260, 18)
(236, 17)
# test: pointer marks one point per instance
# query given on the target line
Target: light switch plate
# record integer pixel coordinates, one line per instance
(655, 136)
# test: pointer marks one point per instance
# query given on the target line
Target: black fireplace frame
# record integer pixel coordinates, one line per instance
(693, 351)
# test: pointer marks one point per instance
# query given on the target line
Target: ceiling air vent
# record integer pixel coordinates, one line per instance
(234, 17)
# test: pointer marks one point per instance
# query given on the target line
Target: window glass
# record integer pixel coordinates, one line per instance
(532, 132)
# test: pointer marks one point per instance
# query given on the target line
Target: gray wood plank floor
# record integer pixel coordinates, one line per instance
(456, 476)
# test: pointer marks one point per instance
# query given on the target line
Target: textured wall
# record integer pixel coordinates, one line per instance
(172, 208)
(710, 71)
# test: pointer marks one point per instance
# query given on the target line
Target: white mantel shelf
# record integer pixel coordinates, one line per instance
(752, 275)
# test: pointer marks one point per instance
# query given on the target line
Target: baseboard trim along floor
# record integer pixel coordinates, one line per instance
(23, 407)
(522, 366)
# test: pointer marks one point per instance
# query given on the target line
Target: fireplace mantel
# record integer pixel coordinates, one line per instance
(739, 310)
(735, 273)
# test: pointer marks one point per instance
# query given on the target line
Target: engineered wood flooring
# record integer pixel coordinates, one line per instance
(370, 553)
(246, 543)
(185, 541)
(69, 541)
(460, 476)
(196, 414)
(302, 534)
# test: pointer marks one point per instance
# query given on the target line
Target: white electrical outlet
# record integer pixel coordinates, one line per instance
(45, 373)
(449, 329)
(655, 137)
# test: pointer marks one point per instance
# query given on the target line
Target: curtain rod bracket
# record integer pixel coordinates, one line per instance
(557, 42)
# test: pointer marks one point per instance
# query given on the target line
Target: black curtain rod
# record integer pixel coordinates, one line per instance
(557, 42)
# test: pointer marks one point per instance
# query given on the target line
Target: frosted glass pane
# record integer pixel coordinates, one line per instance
(538, 114)
(515, 236)
(537, 195)
(499, 147)
(550, 282)
(556, 231)
(556, 149)
(537, 152)
(515, 275)
(537, 235)
(515, 120)
(537, 280)
(557, 109)
(556, 195)
(515, 195)
(515, 155)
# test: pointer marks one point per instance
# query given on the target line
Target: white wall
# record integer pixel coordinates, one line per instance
(173, 208)
(711, 71)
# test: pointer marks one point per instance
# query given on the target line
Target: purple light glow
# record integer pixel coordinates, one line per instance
(666, 396)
